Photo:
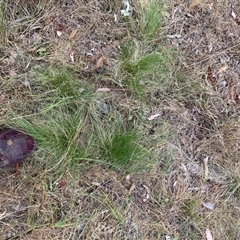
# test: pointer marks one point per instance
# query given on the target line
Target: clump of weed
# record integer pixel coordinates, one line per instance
(68, 135)
(146, 69)
(55, 132)
(189, 208)
(122, 149)
(58, 86)
(63, 81)
(151, 18)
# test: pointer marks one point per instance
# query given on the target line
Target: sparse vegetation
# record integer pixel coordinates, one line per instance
(135, 118)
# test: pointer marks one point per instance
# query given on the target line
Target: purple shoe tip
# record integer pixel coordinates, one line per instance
(14, 147)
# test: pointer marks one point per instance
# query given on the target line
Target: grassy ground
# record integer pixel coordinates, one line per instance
(136, 119)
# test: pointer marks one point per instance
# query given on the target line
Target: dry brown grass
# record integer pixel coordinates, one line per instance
(202, 118)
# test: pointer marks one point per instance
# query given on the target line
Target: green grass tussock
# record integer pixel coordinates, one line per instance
(152, 19)
(122, 149)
